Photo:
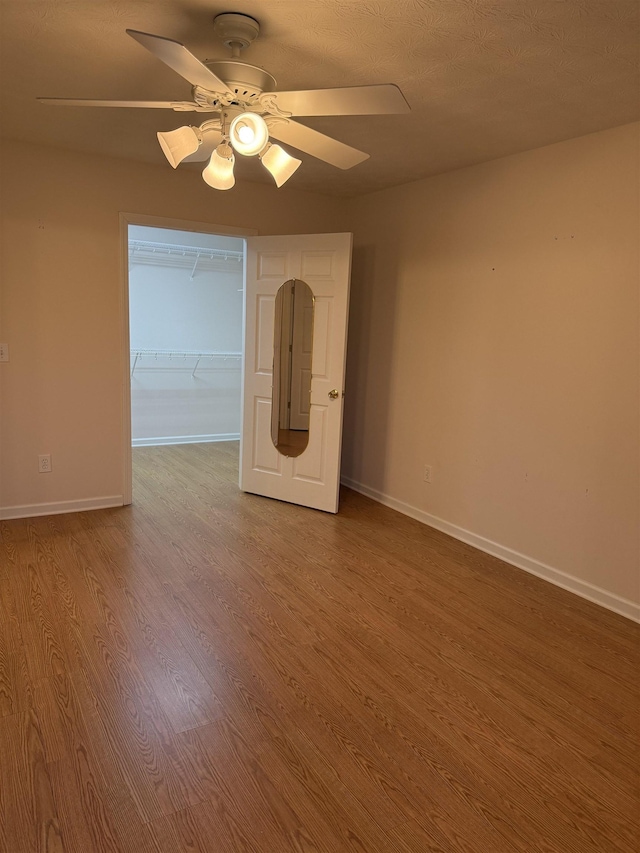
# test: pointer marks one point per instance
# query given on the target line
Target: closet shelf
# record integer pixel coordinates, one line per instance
(173, 255)
(180, 358)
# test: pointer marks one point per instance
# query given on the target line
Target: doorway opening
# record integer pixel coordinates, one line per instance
(184, 306)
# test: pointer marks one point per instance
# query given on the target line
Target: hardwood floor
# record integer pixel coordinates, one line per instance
(213, 671)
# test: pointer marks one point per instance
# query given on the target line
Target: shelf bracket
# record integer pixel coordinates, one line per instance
(193, 271)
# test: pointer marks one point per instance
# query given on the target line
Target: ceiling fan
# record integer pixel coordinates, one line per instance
(247, 111)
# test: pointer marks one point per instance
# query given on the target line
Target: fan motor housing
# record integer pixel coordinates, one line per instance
(247, 81)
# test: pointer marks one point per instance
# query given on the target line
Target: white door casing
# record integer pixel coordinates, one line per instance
(323, 261)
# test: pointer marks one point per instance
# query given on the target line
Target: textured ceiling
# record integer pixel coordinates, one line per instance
(484, 78)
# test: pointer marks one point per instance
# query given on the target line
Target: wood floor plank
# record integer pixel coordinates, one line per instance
(448, 653)
(234, 679)
(403, 745)
(216, 672)
(83, 820)
(187, 698)
(204, 829)
(47, 710)
(293, 768)
(276, 820)
(180, 833)
(16, 686)
(30, 819)
(127, 718)
(314, 701)
(96, 810)
(7, 678)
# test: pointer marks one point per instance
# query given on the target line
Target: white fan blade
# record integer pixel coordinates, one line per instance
(348, 101)
(179, 106)
(176, 56)
(210, 142)
(317, 144)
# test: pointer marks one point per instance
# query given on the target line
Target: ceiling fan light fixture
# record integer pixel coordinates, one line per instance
(249, 133)
(247, 107)
(280, 164)
(219, 171)
(180, 143)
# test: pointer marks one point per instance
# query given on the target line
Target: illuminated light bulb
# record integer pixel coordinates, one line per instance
(248, 133)
(180, 143)
(219, 171)
(279, 163)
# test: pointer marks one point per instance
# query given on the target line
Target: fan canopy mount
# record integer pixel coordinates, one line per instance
(237, 31)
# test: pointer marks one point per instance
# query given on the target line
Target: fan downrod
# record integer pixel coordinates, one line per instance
(238, 31)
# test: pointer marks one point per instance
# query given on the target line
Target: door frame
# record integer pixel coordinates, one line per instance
(127, 219)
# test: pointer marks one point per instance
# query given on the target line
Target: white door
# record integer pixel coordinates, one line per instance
(323, 261)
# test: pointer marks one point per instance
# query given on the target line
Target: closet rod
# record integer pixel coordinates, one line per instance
(137, 354)
(185, 251)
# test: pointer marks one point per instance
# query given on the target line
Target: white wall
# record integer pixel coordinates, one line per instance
(494, 336)
(179, 303)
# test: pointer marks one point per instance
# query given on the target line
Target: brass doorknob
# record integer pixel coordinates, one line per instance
(333, 395)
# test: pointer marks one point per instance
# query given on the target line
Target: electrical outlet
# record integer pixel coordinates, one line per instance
(44, 463)
(4, 352)
(427, 473)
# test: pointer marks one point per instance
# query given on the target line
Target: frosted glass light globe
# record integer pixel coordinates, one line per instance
(279, 163)
(219, 172)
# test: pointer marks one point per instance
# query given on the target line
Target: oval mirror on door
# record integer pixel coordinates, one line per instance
(292, 350)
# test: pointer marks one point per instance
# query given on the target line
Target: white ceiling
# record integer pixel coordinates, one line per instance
(484, 78)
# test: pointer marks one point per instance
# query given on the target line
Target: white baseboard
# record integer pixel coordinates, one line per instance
(184, 439)
(582, 588)
(32, 510)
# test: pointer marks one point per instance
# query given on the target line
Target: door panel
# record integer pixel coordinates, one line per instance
(311, 466)
(264, 340)
(323, 261)
(265, 457)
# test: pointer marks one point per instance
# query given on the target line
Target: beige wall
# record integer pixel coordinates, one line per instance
(60, 306)
(494, 336)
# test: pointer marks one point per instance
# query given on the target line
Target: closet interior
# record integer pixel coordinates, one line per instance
(185, 328)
